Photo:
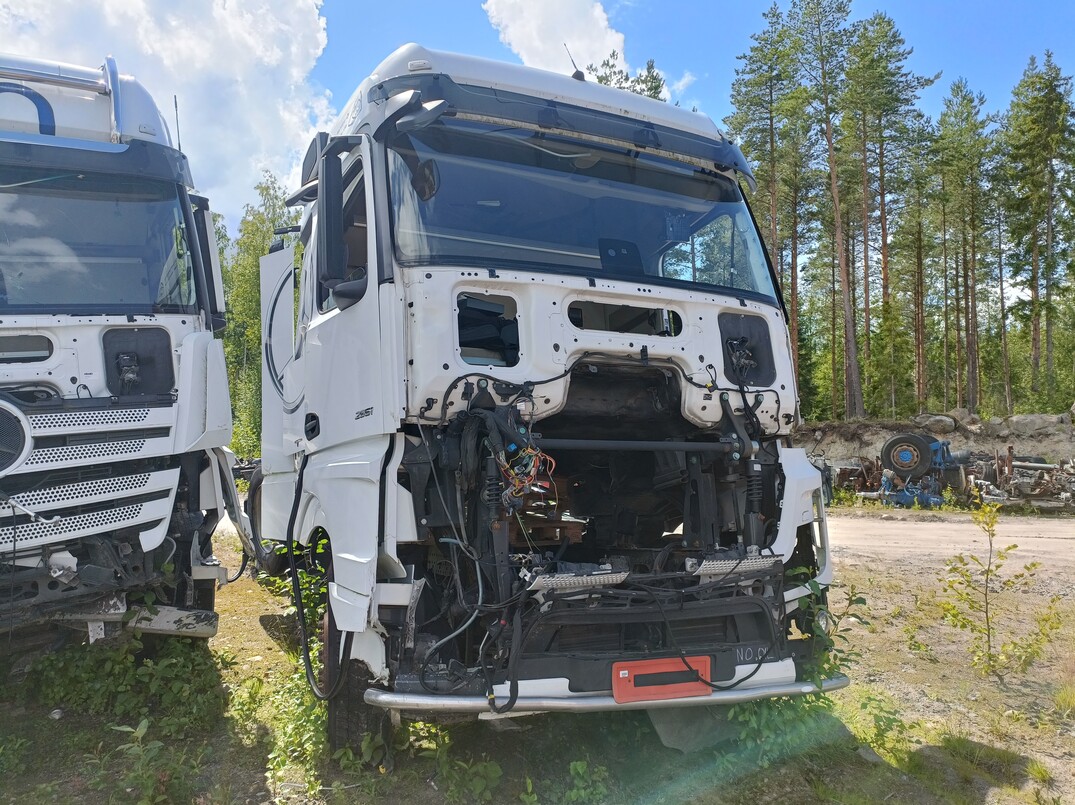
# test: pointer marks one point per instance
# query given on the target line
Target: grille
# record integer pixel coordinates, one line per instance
(79, 419)
(750, 565)
(99, 520)
(12, 439)
(591, 638)
(57, 455)
(701, 633)
(569, 581)
(39, 498)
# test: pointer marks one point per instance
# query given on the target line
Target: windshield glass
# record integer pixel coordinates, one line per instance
(479, 194)
(73, 242)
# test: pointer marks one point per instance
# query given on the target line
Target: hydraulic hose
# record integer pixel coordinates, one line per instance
(300, 610)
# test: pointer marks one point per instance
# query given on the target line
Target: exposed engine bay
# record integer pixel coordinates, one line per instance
(613, 531)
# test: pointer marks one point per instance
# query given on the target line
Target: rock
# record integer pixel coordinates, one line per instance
(1072, 410)
(867, 754)
(960, 414)
(935, 423)
(1035, 424)
(996, 428)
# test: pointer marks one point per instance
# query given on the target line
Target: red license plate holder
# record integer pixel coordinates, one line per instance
(654, 680)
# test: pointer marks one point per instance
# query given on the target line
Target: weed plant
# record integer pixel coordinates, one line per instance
(977, 589)
(179, 687)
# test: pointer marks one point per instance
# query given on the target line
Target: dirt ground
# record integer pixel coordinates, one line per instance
(897, 558)
(917, 725)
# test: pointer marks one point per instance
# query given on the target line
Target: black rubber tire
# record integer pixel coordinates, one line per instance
(266, 558)
(908, 455)
(349, 717)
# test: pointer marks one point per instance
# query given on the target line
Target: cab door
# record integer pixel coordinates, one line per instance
(344, 433)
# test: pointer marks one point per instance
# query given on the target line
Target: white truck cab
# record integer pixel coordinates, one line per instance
(114, 410)
(537, 399)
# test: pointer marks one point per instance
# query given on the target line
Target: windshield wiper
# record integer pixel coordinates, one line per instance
(39, 181)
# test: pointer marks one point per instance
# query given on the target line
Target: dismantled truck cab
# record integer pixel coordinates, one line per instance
(537, 402)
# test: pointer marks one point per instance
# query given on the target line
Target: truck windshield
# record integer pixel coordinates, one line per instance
(473, 193)
(82, 242)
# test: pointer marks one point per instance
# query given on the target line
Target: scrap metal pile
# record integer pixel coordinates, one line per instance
(915, 469)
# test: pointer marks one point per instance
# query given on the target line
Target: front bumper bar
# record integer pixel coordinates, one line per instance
(427, 703)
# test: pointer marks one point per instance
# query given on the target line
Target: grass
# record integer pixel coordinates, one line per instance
(933, 743)
(1064, 698)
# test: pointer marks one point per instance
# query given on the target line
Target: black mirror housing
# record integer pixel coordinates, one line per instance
(331, 256)
(351, 291)
(313, 155)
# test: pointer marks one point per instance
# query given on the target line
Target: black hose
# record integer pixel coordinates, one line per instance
(300, 610)
(241, 570)
(513, 672)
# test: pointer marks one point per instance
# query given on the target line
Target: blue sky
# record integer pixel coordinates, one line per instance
(256, 78)
(986, 41)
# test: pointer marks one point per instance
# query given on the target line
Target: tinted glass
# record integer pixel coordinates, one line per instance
(478, 194)
(74, 242)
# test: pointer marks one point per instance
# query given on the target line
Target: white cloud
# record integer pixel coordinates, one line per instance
(680, 86)
(239, 68)
(537, 30)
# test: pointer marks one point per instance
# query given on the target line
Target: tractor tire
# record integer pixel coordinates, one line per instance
(267, 558)
(908, 455)
(350, 719)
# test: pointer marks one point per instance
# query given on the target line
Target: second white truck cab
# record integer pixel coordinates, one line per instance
(114, 408)
(537, 401)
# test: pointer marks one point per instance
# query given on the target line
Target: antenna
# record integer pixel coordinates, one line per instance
(178, 138)
(578, 75)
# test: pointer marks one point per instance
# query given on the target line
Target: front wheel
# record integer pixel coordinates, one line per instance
(349, 717)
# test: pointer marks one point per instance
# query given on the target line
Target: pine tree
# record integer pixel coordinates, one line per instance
(822, 37)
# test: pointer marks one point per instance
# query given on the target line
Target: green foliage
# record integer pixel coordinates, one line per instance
(831, 651)
(13, 755)
(245, 702)
(148, 771)
(773, 729)
(770, 730)
(180, 687)
(299, 719)
(976, 591)
(460, 780)
(242, 338)
(529, 796)
(890, 733)
(916, 646)
(589, 783)
(1064, 700)
(648, 82)
(1000, 764)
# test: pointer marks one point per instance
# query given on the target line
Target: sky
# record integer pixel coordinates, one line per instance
(256, 78)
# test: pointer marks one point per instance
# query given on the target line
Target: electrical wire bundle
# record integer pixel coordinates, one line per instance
(521, 475)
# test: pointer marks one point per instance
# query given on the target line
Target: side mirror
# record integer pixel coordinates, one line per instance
(426, 179)
(348, 292)
(421, 117)
(331, 250)
(216, 318)
(405, 112)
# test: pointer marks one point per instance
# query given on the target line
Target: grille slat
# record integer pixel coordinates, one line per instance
(81, 452)
(82, 419)
(142, 515)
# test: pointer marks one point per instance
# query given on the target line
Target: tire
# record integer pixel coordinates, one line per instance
(908, 455)
(349, 717)
(266, 558)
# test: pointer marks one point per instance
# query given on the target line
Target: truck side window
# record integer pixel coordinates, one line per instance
(354, 236)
